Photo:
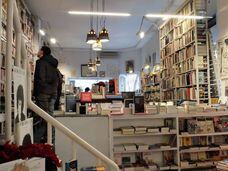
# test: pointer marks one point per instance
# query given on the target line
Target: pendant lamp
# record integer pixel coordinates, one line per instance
(104, 36)
(91, 37)
(97, 46)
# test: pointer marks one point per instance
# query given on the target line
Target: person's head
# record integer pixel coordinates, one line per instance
(87, 89)
(20, 99)
(45, 50)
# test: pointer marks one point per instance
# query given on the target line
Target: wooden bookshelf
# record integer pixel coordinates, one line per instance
(184, 56)
(151, 86)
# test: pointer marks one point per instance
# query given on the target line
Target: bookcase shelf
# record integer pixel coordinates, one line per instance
(147, 151)
(179, 149)
(184, 51)
(144, 135)
(204, 135)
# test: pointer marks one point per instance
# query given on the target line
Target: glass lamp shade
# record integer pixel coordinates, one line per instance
(91, 37)
(97, 46)
(103, 35)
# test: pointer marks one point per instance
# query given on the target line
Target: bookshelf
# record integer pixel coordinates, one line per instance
(151, 85)
(28, 28)
(188, 145)
(184, 56)
(153, 147)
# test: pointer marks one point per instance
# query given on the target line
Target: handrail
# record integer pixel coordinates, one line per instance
(74, 137)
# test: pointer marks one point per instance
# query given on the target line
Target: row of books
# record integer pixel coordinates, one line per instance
(168, 84)
(131, 130)
(222, 165)
(167, 39)
(186, 10)
(187, 79)
(211, 147)
(168, 50)
(186, 93)
(140, 147)
(152, 97)
(167, 28)
(194, 164)
(183, 27)
(185, 66)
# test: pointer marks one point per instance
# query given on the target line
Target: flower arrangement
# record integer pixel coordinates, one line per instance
(10, 152)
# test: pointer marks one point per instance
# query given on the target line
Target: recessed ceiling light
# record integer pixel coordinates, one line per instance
(42, 32)
(167, 16)
(141, 34)
(53, 40)
(99, 13)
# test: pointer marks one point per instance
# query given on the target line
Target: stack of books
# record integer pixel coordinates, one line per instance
(128, 130)
(222, 165)
(140, 129)
(116, 108)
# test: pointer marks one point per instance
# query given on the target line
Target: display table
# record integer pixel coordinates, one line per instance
(92, 128)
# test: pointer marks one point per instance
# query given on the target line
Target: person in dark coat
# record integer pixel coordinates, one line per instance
(46, 81)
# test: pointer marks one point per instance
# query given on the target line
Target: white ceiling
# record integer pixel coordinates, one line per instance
(70, 31)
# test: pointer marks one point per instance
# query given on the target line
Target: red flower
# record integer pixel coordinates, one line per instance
(12, 152)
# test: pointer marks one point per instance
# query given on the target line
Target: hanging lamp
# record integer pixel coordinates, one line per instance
(103, 35)
(91, 35)
(97, 46)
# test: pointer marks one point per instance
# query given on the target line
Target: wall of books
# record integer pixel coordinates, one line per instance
(184, 56)
(27, 24)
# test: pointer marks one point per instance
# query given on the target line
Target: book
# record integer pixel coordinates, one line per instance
(71, 166)
(153, 130)
(128, 130)
(142, 146)
(130, 147)
(118, 148)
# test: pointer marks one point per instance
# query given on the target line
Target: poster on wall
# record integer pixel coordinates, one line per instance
(223, 55)
(86, 72)
(23, 126)
(129, 66)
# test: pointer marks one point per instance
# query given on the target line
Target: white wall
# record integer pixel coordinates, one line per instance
(70, 60)
(222, 14)
(130, 54)
(150, 47)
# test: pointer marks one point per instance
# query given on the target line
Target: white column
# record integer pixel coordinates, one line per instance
(8, 93)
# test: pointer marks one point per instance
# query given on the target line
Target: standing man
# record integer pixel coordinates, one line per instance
(45, 90)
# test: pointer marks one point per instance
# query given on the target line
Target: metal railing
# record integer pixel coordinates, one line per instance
(14, 20)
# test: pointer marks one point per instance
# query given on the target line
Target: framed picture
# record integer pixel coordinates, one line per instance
(130, 66)
(102, 74)
(86, 72)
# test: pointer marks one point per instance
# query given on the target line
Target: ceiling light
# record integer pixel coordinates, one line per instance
(53, 41)
(99, 13)
(141, 34)
(166, 16)
(42, 32)
(104, 36)
(91, 37)
(97, 46)
(147, 66)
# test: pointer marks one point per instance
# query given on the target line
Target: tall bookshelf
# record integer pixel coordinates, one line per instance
(151, 86)
(28, 27)
(184, 56)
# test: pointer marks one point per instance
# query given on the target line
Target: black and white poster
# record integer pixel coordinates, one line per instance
(23, 126)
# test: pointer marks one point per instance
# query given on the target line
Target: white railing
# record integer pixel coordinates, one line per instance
(13, 20)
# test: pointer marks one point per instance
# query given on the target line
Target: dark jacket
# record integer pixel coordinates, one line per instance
(46, 76)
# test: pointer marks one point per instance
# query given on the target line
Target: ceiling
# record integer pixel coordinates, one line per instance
(70, 31)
